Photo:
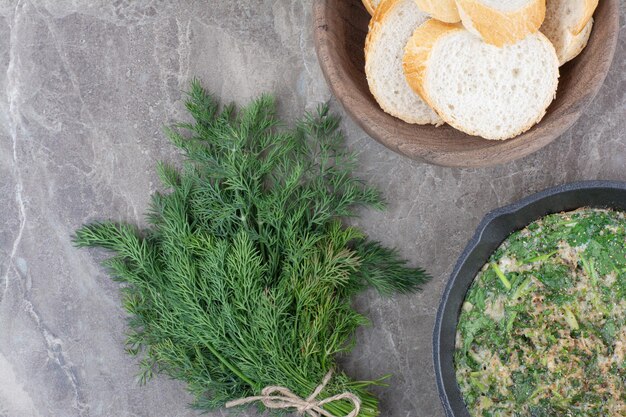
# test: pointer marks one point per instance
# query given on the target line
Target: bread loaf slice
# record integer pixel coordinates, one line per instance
(444, 10)
(573, 15)
(568, 46)
(390, 29)
(480, 89)
(563, 19)
(501, 22)
(371, 5)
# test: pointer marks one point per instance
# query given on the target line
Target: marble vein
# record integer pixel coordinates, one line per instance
(14, 121)
(54, 348)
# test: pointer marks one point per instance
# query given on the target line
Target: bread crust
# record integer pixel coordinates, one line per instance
(500, 28)
(568, 41)
(444, 10)
(590, 8)
(369, 6)
(418, 50)
(417, 54)
(376, 25)
(577, 44)
(375, 28)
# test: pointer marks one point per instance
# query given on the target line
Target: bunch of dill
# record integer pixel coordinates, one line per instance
(245, 275)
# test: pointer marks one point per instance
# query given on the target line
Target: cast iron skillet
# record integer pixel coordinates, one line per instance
(492, 231)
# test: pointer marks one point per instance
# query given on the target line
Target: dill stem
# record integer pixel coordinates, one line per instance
(230, 366)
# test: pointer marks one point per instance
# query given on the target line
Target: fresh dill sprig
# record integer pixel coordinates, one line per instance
(245, 275)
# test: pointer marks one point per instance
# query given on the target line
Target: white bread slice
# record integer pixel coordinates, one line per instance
(444, 10)
(563, 20)
(371, 5)
(572, 15)
(568, 46)
(578, 43)
(501, 22)
(480, 89)
(390, 29)
(589, 9)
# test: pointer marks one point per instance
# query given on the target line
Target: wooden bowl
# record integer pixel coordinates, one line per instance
(340, 30)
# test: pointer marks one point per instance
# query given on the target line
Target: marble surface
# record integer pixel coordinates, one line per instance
(85, 88)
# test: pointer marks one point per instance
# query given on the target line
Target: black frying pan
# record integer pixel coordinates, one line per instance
(492, 231)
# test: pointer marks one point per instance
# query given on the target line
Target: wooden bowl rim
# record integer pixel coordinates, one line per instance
(482, 153)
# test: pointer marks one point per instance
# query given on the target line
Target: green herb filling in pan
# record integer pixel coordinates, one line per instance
(542, 331)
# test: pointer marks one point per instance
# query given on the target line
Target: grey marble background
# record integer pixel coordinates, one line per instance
(85, 87)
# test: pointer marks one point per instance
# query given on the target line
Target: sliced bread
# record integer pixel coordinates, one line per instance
(563, 19)
(444, 10)
(371, 5)
(390, 29)
(480, 89)
(568, 46)
(572, 15)
(501, 22)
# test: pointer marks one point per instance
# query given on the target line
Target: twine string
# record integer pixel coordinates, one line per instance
(275, 397)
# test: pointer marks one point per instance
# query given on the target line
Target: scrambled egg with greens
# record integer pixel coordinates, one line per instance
(542, 331)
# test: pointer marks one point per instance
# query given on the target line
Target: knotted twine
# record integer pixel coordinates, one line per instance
(282, 398)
